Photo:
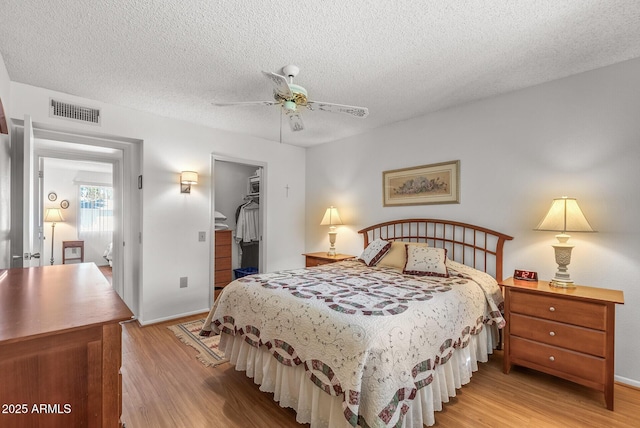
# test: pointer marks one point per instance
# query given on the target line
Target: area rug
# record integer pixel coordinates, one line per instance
(207, 347)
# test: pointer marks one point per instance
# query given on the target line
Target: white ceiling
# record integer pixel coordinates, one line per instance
(401, 59)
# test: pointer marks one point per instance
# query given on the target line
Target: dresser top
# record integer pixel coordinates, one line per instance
(580, 291)
(41, 300)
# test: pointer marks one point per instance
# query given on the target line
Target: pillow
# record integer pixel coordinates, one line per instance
(426, 261)
(375, 251)
(396, 257)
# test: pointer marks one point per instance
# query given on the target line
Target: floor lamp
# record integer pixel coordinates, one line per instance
(53, 216)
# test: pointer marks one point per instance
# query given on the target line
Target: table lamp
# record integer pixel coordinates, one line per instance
(331, 218)
(564, 216)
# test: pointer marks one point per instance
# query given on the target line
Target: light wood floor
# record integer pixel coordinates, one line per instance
(165, 386)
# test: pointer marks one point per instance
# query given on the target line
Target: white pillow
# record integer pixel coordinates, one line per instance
(426, 261)
(375, 251)
(396, 257)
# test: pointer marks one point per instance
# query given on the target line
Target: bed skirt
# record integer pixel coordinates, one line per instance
(292, 388)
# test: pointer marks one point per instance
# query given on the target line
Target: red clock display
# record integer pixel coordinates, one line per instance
(526, 275)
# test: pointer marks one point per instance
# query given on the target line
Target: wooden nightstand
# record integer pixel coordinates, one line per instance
(317, 259)
(565, 332)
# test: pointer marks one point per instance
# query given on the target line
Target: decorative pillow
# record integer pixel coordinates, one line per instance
(396, 257)
(374, 251)
(426, 261)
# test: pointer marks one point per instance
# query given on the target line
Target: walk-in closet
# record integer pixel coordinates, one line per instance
(238, 225)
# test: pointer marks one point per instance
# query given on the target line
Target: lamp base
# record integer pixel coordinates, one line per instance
(561, 284)
(562, 279)
(332, 241)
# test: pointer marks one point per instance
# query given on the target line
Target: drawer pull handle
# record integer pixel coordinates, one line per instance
(552, 333)
(551, 358)
(552, 309)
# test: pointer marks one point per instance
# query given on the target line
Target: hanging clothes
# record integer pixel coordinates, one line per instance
(248, 233)
(248, 222)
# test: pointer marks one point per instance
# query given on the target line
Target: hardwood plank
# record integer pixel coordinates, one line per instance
(165, 386)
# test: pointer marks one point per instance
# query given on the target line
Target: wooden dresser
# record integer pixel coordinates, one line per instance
(567, 333)
(321, 258)
(60, 348)
(222, 259)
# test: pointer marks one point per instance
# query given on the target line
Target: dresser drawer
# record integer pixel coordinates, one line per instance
(222, 278)
(223, 263)
(582, 313)
(223, 238)
(567, 336)
(561, 361)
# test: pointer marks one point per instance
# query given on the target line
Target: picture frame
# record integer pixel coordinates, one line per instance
(437, 183)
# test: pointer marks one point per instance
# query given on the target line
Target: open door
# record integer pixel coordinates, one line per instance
(26, 210)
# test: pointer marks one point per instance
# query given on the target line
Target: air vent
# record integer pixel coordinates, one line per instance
(74, 112)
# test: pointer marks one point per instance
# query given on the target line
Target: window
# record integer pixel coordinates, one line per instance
(96, 209)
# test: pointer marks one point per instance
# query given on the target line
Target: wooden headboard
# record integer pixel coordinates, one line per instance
(471, 245)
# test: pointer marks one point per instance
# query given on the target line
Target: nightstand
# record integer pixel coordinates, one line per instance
(317, 259)
(565, 332)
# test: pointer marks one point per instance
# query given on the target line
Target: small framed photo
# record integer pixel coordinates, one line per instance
(64, 204)
(438, 183)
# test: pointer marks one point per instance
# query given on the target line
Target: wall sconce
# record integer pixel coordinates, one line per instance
(187, 178)
(331, 218)
(564, 216)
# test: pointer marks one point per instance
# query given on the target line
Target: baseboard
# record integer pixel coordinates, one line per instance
(627, 382)
(173, 317)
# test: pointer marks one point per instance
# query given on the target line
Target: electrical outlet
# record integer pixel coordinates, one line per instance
(202, 236)
(184, 281)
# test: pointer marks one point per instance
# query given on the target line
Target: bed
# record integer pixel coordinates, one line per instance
(379, 341)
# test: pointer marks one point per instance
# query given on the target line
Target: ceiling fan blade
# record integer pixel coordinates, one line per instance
(295, 121)
(338, 108)
(280, 84)
(246, 103)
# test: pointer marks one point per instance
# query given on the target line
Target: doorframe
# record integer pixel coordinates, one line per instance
(262, 249)
(131, 202)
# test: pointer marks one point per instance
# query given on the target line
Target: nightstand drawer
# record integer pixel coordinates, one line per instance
(560, 361)
(582, 313)
(562, 335)
(317, 262)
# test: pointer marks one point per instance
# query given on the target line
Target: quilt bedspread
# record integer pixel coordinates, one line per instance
(369, 335)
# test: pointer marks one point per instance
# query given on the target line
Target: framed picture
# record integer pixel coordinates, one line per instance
(438, 183)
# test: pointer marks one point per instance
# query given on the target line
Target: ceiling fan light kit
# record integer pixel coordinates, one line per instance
(291, 97)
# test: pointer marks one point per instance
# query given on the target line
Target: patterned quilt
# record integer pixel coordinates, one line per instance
(369, 335)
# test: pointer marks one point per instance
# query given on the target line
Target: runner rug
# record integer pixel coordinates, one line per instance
(207, 347)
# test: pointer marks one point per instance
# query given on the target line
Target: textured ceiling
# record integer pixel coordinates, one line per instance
(401, 59)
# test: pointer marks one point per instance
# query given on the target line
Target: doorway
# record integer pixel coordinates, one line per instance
(51, 144)
(85, 194)
(238, 205)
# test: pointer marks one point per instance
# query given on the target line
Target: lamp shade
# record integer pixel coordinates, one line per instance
(189, 177)
(53, 215)
(331, 217)
(565, 216)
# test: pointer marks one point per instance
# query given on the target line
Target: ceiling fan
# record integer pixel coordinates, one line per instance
(293, 98)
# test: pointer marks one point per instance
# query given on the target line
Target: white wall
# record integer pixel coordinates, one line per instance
(171, 220)
(5, 172)
(579, 136)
